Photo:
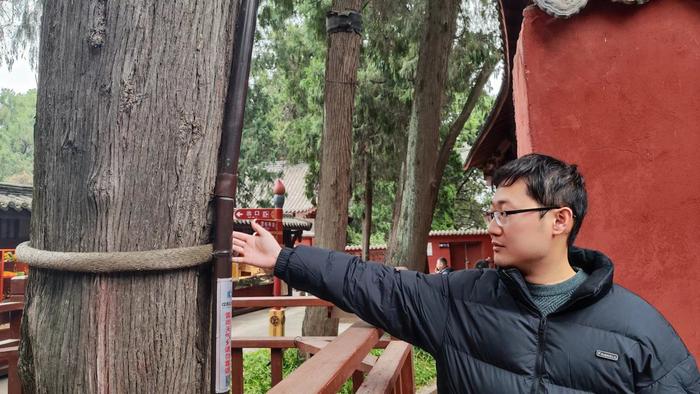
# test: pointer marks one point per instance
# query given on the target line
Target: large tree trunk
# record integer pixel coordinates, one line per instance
(130, 104)
(334, 191)
(415, 213)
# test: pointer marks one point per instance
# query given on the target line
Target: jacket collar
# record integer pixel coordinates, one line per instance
(600, 279)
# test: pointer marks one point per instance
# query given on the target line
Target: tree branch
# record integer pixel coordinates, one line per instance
(467, 110)
(458, 125)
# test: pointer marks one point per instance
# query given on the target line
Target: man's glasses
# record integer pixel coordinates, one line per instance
(502, 216)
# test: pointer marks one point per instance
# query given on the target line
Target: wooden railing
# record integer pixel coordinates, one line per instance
(335, 360)
(9, 343)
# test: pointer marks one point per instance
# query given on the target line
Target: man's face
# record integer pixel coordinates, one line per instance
(525, 237)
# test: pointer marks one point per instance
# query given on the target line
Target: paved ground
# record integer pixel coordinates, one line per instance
(256, 323)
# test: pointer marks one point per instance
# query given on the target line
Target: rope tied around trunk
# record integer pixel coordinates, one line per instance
(109, 262)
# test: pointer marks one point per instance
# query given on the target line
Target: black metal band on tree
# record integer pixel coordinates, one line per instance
(225, 195)
(343, 22)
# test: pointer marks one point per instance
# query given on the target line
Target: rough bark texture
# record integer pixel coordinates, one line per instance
(415, 216)
(395, 210)
(367, 218)
(130, 104)
(334, 191)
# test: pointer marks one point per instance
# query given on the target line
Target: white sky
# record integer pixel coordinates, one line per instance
(21, 79)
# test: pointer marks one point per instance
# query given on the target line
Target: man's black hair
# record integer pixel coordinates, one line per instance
(550, 182)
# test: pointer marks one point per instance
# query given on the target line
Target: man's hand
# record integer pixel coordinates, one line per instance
(260, 249)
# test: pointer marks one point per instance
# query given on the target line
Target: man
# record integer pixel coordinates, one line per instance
(548, 320)
(441, 266)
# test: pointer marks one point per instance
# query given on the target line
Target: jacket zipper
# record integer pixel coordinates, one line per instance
(540, 354)
(537, 387)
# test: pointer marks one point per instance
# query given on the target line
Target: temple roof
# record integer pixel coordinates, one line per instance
(16, 197)
(567, 8)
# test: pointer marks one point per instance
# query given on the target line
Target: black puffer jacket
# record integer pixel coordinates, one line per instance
(487, 336)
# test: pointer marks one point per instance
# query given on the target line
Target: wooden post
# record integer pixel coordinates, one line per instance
(276, 365)
(357, 378)
(236, 371)
(276, 315)
(2, 272)
(407, 381)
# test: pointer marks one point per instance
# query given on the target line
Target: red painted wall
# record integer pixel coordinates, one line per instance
(478, 247)
(376, 255)
(617, 90)
(473, 246)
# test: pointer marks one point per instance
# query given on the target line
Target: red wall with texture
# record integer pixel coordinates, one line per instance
(616, 90)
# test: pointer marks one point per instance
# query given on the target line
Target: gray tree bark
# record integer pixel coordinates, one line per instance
(367, 218)
(130, 105)
(415, 211)
(436, 179)
(334, 183)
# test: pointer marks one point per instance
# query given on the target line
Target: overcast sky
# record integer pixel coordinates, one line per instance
(21, 79)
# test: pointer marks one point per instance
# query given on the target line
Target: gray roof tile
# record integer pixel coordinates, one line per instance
(16, 197)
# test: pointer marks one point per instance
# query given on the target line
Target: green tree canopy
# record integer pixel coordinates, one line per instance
(17, 112)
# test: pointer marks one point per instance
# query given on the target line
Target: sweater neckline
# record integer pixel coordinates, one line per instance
(564, 287)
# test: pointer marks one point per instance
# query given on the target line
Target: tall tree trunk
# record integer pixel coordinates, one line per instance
(415, 214)
(456, 128)
(395, 211)
(130, 105)
(334, 191)
(367, 218)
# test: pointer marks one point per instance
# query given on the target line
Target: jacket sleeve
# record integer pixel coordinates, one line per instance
(683, 378)
(408, 305)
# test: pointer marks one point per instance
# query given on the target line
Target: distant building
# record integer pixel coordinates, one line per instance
(15, 212)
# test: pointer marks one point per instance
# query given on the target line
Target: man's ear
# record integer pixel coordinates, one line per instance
(563, 221)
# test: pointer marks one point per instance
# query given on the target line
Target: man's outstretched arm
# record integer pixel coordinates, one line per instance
(408, 305)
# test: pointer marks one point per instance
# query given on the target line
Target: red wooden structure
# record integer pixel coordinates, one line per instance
(461, 248)
(335, 360)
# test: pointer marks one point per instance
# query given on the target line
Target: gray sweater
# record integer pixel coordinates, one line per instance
(550, 297)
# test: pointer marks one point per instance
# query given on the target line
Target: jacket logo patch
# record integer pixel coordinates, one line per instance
(607, 355)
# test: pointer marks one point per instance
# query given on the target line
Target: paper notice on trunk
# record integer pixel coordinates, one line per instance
(224, 291)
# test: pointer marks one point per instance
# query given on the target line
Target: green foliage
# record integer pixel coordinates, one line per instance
(284, 112)
(463, 196)
(256, 369)
(287, 82)
(259, 149)
(423, 367)
(287, 79)
(17, 112)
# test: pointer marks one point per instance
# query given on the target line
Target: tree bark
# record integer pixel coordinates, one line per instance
(130, 104)
(334, 182)
(396, 210)
(367, 218)
(415, 214)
